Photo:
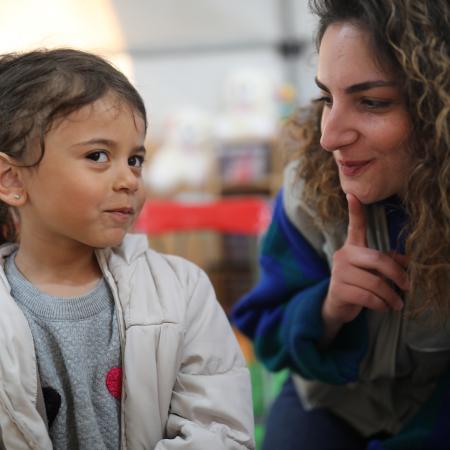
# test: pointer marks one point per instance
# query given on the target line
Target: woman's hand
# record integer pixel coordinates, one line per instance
(360, 277)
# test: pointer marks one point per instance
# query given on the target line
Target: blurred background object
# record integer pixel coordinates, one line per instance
(248, 109)
(184, 156)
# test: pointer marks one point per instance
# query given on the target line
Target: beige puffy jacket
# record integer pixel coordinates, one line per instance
(185, 383)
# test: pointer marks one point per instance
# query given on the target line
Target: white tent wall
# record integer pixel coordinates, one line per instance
(178, 52)
(182, 50)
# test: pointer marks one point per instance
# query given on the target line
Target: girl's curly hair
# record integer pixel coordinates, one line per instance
(412, 38)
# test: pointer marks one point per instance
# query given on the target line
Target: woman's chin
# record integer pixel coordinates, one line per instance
(366, 198)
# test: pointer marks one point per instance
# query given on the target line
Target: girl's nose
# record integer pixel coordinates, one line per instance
(126, 180)
(337, 128)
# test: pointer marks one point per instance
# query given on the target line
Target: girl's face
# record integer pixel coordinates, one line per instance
(364, 122)
(87, 189)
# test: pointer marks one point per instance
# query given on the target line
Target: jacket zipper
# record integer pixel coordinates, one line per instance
(120, 318)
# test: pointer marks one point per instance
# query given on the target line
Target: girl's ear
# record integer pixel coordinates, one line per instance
(12, 190)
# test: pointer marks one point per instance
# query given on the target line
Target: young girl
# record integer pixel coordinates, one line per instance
(105, 344)
(354, 297)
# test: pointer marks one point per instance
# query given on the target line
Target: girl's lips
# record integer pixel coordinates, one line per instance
(121, 210)
(121, 214)
(353, 168)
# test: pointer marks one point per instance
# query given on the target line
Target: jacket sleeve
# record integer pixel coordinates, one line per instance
(211, 406)
(282, 314)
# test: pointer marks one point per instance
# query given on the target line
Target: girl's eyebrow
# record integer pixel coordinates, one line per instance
(108, 143)
(364, 86)
(97, 141)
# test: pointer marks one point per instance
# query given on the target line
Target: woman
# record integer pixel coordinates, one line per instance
(354, 295)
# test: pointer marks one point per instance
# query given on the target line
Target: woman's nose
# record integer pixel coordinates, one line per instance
(338, 129)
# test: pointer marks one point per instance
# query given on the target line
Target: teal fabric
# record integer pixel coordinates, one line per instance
(282, 315)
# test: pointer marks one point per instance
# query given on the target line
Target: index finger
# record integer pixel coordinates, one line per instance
(356, 232)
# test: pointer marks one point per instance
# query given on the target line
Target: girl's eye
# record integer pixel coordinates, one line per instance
(325, 99)
(136, 161)
(98, 156)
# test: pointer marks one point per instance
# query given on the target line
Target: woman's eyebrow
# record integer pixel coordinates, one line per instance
(321, 85)
(364, 86)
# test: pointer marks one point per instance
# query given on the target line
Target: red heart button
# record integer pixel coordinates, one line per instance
(114, 382)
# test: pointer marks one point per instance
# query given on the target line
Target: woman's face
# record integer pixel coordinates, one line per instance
(364, 122)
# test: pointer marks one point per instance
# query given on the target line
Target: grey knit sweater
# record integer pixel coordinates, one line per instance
(78, 353)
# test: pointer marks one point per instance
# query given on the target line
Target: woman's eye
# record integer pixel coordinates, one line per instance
(325, 99)
(136, 161)
(98, 156)
(376, 104)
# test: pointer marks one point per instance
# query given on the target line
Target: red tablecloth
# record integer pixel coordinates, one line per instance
(243, 215)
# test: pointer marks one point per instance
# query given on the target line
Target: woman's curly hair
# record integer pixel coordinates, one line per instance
(411, 38)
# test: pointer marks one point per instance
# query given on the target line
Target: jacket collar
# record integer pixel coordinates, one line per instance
(131, 248)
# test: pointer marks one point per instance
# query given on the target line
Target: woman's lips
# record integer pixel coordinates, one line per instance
(353, 168)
